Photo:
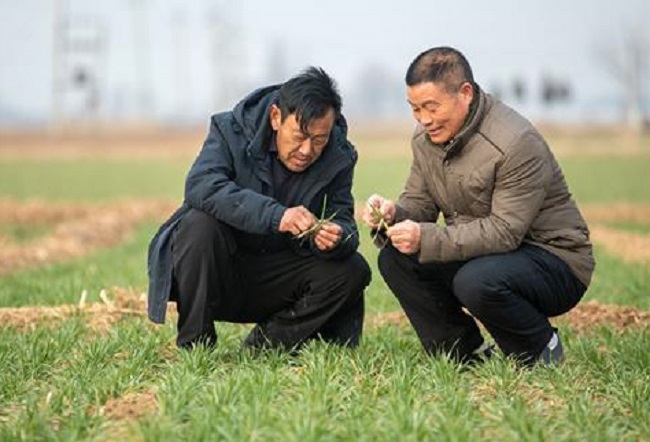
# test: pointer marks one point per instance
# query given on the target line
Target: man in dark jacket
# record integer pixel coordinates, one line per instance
(514, 249)
(247, 245)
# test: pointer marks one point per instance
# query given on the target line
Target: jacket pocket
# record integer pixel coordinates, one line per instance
(568, 238)
(477, 189)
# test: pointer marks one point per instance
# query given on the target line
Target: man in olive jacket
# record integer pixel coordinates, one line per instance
(246, 245)
(514, 249)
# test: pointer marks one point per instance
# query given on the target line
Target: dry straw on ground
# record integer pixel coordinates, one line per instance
(77, 229)
(74, 229)
(106, 309)
(583, 318)
(121, 303)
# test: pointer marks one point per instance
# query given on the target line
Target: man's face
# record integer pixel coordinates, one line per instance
(440, 112)
(298, 150)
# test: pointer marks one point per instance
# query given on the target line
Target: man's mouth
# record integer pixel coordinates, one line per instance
(301, 161)
(434, 130)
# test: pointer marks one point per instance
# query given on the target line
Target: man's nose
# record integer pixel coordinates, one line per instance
(306, 147)
(425, 118)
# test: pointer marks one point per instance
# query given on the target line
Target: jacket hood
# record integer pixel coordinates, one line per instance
(252, 115)
(252, 112)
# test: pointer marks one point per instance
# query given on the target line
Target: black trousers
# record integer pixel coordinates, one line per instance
(292, 298)
(511, 294)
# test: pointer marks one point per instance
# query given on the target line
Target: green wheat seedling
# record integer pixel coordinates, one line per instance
(320, 222)
(378, 219)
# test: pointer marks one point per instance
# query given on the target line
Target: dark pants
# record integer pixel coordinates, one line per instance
(292, 298)
(511, 294)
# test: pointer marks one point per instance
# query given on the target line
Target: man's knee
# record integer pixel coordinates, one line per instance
(346, 278)
(390, 260)
(397, 269)
(199, 232)
(478, 285)
(358, 272)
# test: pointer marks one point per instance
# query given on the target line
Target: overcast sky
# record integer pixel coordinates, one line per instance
(161, 60)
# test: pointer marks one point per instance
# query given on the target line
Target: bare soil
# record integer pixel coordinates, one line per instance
(131, 406)
(372, 140)
(107, 308)
(108, 142)
(120, 303)
(622, 212)
(629, 246)
(583, 318)
(75, 229)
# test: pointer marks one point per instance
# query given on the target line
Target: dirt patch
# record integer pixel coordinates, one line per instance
(589, 315)
(635, 213)
(583, 318)
(131, 406)
(114, 305)
(628, 246)
(103, 142)
(39, 212)
(373, 139)
(77, 229)
(120, 303)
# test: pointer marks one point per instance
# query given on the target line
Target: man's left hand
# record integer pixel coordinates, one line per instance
(328, 237)
(405, 236)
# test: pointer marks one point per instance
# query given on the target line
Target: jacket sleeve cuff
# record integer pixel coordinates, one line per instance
(428, 246)
(278, 213)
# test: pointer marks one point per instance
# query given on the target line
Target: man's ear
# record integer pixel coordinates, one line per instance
(275, 117)
(467, 91)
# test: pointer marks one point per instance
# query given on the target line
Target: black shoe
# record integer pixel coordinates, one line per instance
(480, 354)
(257, 342)
(553, 353)
(207, 340)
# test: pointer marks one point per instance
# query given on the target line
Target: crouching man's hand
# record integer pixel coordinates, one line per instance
(328, 236)
(296, 220)
(377, 209)
(405, 236)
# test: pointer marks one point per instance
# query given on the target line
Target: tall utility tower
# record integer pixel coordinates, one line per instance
(78, 65)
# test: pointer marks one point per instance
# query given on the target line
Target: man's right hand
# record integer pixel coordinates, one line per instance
(375, 205)
(296, 220)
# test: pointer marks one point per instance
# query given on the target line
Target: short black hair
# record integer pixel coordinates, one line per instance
(309, 95)
(444, 65)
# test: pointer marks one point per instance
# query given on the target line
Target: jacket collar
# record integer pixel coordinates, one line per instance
(471, 124)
